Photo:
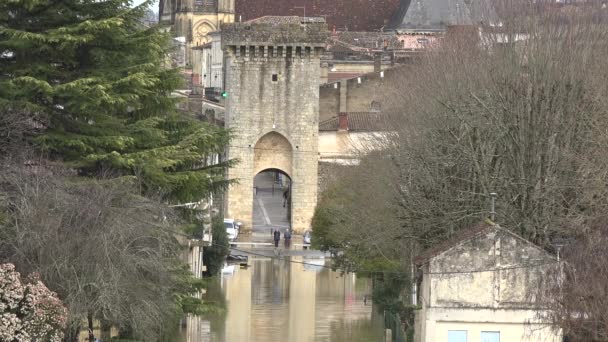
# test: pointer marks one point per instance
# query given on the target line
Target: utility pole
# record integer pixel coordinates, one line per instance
(493, 196)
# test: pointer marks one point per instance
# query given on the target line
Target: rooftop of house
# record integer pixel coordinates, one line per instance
(457, 238)
(366, 40)
(271, 19)
(360, 15)
(463, 236)
(358, 122)
(335, 76)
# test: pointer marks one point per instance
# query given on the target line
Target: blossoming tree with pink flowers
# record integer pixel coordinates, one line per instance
(29, 311)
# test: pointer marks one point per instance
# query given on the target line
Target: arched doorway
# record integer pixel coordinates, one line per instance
(271, 201)
(272, 183)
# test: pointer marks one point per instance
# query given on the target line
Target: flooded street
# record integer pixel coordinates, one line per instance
(291, 299)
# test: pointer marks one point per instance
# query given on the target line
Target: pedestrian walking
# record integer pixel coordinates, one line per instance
(287, 236)
(277, 237)
(285, 196)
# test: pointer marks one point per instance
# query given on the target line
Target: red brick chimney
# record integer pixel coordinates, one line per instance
(196, 80)
(343, 121)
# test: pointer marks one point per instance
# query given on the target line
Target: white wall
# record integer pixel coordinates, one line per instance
(508, 331)
(344, 144)
(486, 283)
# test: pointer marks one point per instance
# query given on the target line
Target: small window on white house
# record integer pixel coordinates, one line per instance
(275, 77)
(457, 336)
(490, 336)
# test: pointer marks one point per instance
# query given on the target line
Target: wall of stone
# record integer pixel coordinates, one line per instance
(196, 26)
(462, 290)
(500, 289)
(273, 151)
(329, 102)
(359, 96)
(273, 89)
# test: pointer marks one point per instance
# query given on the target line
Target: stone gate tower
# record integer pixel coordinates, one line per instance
(272, 107)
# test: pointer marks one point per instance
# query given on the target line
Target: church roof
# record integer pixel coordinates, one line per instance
(437, 15)
(359, 15)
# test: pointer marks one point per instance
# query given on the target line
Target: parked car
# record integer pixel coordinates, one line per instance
(232, 228)
(307, 239)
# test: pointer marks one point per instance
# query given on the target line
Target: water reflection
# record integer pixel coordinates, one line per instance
(275, 300)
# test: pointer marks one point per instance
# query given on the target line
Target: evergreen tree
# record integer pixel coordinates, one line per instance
(95, 87)
(97, 80)
(216, 254)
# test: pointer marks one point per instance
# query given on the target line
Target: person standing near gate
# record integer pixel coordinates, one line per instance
(285, 196)
(277, 237)
(287, 238)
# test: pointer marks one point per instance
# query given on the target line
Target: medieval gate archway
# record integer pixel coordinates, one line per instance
(272, 170)
(272, 108)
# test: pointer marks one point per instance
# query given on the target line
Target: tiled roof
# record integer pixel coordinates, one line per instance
(438, 14)
(270, 19)
(457, 238)
(358, 122)
(368, 40)
(359, 15)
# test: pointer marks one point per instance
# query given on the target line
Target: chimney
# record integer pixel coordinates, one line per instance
(377, 62)
(343, 122)
(196, 80)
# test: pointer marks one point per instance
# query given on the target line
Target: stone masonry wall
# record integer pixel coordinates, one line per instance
(272, 74)
(496, 249)
(359, 96)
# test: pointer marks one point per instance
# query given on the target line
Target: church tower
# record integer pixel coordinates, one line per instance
(195, 19)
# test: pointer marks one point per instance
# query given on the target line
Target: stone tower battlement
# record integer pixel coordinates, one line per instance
(272, 108)
(285, 32)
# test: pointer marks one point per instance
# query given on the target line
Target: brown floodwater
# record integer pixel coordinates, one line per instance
(277, 300)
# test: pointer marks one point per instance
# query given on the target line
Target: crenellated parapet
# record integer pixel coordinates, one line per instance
(296, 39)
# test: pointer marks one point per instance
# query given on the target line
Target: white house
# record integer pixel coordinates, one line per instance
(481, 286)
(343, 139)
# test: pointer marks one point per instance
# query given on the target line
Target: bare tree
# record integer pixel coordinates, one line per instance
(519, 110)
(109, 254)
(16, 126)
(517, 107)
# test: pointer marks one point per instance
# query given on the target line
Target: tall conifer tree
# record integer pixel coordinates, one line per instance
(97, 81)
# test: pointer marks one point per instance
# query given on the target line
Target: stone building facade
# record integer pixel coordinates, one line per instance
(195, 19)
(272, 84)
(483, 285)
(208, 62)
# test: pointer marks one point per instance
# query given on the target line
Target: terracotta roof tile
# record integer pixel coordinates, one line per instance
(270, 19)
(367, 40)
(358, 122)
